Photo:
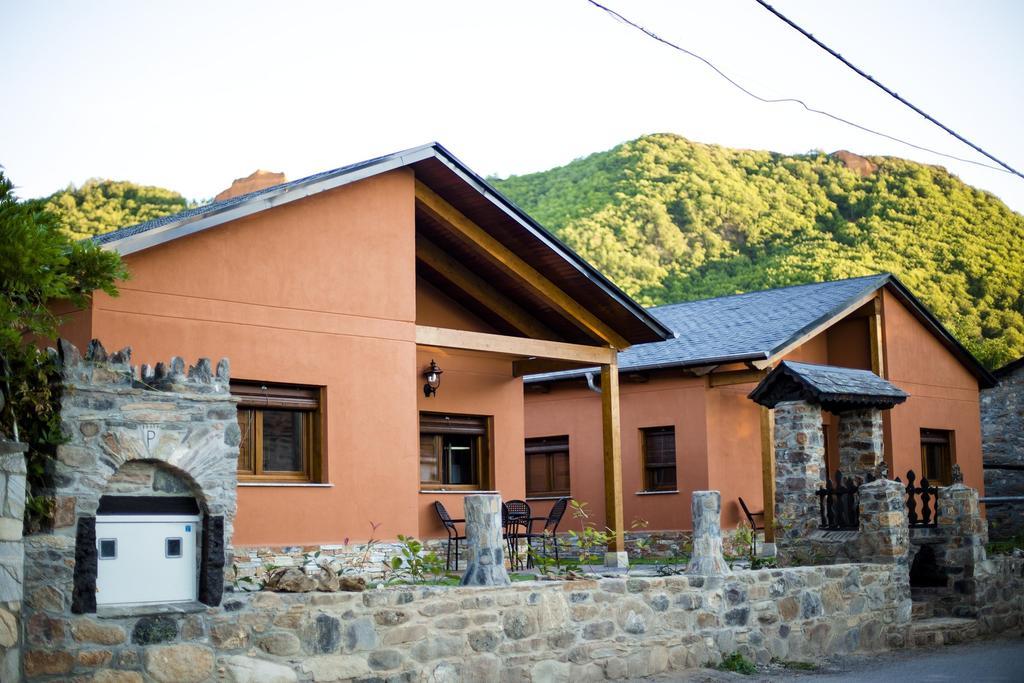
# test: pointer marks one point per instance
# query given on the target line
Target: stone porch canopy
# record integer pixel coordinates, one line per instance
(835, 389)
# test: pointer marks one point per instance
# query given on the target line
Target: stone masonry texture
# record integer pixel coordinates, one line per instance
(860, 442)
(799, 459)
(12, 509)
(708, 559)
(538, 631)
(1002, 438)
(485, 556)
(164, 431)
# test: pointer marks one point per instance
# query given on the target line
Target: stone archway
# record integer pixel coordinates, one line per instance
(135, 434)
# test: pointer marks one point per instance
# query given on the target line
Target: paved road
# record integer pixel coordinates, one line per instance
(988, 661)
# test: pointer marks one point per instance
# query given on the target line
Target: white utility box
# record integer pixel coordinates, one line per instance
(146, 559)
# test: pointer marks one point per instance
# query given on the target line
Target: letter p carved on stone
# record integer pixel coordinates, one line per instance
(149, 434)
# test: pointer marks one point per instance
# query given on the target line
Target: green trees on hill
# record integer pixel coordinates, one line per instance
(99, 206)
(671, 220)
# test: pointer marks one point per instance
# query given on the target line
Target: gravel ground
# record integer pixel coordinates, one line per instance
(982, 661)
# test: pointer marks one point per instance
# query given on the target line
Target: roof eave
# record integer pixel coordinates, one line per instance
(510, 208)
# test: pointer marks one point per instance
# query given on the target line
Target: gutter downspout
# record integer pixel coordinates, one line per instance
(590, 383)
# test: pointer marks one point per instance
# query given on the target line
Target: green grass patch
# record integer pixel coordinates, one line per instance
(737, 663)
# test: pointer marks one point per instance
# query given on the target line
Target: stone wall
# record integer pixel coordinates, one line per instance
(156, 433)
(883, 535)
(1002, 436)
(996, 594)
(12, 510)
(540, 631)
(861, 449)
(799, 459)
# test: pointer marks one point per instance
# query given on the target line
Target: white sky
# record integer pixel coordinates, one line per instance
(189, 95)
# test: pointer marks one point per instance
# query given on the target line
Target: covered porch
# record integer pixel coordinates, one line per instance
(499, 298)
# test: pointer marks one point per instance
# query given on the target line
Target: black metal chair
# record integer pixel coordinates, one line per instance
(753, 523)
(550, 529)
(517, 526)
(453, 534)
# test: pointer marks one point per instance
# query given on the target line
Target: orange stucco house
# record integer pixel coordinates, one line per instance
(687, 421)
(332, 295)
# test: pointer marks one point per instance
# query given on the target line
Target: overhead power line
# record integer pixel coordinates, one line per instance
(888, 91)
(770, 100)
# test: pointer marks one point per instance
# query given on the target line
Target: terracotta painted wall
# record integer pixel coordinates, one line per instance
(472, 384)
(75, 324)
(944, 395)
(343, 320)
(576, 412)
(475, 384)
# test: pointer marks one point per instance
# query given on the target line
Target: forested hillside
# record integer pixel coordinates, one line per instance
(99, 206)
(672, 220)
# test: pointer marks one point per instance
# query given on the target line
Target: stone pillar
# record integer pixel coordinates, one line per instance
(707, 557)
(485, 549)
(963, 529)
(885, 537)
(861, 447)
(799, 459)
(12, 553)
(884, 533)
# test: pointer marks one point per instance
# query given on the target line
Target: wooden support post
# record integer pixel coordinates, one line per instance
(768, 471)
(614, 517)
(875, 331)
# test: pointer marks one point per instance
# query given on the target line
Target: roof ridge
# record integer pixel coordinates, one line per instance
(214, 206)
(771, 289)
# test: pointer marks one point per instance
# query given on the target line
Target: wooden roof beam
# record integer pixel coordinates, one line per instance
(469, 231)
(512, 346)
(467, 281)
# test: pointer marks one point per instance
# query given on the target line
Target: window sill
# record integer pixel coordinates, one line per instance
(657, 493)
(122, 611)
(548, 497)
(462, 492)
(302, 484)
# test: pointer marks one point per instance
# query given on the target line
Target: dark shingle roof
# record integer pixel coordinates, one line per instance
(750, 326)
(834, 388)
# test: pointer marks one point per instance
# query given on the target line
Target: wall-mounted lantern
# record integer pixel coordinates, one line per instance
(433, 377)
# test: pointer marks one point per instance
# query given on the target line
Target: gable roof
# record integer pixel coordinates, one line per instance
(452, 180)
(833, 388)
(757, 325)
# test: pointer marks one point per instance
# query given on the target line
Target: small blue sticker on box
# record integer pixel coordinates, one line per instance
(188, 527)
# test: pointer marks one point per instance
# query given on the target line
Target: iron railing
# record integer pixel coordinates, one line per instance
(839, 504)
(927, 496)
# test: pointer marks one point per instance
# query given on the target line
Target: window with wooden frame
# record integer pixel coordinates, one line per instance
(547, 467)
(937, 456)
(454, 451)
(658, 445)
(281, 428)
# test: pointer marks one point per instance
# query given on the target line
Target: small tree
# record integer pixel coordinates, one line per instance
(39, 264)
